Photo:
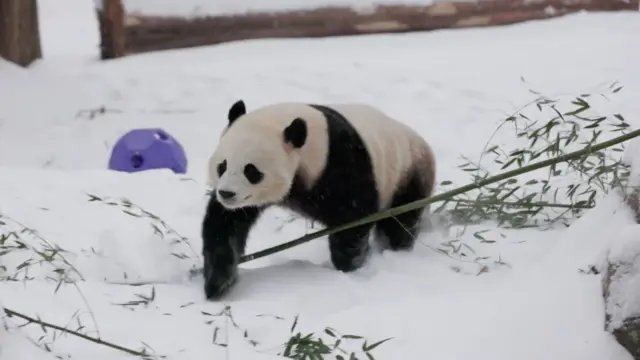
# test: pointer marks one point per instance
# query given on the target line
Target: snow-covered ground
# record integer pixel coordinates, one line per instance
(525, 299)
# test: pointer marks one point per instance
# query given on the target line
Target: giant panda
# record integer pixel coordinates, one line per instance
(330, 163)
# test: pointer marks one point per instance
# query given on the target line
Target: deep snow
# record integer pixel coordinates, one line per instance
(453, 86)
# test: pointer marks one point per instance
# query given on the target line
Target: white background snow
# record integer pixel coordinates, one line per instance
(453, 86)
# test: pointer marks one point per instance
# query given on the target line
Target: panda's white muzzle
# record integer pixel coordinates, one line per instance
(230, 199)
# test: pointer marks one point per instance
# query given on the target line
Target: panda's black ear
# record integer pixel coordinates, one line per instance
(237, 109)
(296, 133)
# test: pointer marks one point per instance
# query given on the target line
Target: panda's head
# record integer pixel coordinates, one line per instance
(256, 159)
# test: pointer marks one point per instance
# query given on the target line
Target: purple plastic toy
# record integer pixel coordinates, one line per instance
(144, 149)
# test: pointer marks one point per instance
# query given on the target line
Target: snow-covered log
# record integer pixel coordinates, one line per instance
(621, 286)
(621, 280)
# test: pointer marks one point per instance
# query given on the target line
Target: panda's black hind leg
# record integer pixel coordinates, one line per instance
(350, 248)
(400, 232)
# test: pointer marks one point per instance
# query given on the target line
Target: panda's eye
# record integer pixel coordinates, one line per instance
(222, 167)
(252, 174)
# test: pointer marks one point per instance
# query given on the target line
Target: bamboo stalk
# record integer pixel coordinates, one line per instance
(11, 313)
(441, 197)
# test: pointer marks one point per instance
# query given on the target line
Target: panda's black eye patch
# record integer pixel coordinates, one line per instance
(222, 167)
(252, 173)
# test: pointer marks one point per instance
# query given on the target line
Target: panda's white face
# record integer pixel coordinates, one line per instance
(251, 170)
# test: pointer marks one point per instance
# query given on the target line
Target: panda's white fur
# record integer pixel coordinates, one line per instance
(257, 137)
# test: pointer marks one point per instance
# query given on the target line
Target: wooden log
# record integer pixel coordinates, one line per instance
(144, 33)
(19, 31)
(112, 29)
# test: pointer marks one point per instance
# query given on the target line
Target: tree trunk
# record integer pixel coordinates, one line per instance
(19, 31)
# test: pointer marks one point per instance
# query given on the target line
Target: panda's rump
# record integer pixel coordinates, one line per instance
(397, 152)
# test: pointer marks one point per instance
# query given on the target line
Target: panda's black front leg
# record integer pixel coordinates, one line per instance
(224, 236)
(350, 248)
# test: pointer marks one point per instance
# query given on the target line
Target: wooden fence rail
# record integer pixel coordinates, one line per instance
(123, 33)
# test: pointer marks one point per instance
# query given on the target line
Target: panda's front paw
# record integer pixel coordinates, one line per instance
(220, 273)
(216, 287)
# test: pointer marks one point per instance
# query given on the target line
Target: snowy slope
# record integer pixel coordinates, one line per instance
(530, 302)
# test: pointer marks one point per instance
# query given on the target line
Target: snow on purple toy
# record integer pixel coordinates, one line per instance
(145, 149)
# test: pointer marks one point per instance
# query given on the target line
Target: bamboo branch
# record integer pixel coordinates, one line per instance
(442, 196)
(11, 313)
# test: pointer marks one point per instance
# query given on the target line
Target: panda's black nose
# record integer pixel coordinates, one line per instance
(226, 194)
